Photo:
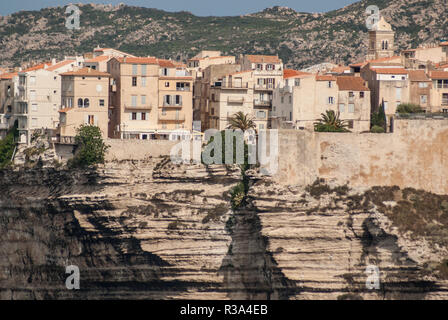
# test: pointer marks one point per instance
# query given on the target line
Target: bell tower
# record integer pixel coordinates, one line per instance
(381, 40)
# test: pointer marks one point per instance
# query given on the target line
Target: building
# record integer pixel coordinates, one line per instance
(138, 109)
(212, 77)
(37, 101)
(8, 88)
(389, 84)
(302, 97)
(420, 89)
(439, 92)
(422, 57)
(85, 100)
(98, 63)
(381, 40)
(206, 58)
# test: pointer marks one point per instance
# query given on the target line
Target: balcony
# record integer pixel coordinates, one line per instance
(234, 86)
(169, 105)
(144, 107)
(262, 103)
(235, 100)
(172, 117)
(269, 86)
(182, 88)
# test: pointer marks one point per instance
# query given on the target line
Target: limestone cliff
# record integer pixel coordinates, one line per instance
(154, 230)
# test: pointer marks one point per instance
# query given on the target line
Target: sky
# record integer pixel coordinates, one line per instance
(197, 7)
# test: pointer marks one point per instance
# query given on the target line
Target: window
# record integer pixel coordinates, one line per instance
(143, 116)
(167, 100)
(398, 94)
(143, 100)
(178, 100)
(34, 107)
(134, 116)
(330, 100)
(32, 95)
(163, 112)
(283, 99)
(32, 80)
(91, 120)
(212, 111)
(134, 81)
(442, 84)
(134, 69)
(101, 102)
(167, 84)
(385, 45)
(361, 94)
(70, 102)
(341, 107)
(144, 69)
(330, 84)
(133, 101)
(143, 81)
(164, 71)
(86, 103)
(270, 67)
(423, 85)
(290, 99)
(261, 126)
(259, 67)
(445, 99)
(261, 114)
(297, 82)
(80, 103)
(351, 108)
(423, 99)
(34, 122)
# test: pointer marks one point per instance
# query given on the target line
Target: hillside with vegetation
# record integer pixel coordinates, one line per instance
(300, 39)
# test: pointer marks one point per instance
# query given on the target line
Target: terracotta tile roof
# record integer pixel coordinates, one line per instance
(325, 78)
(444, 43)
(8, 75)
(390, 70)
(290, 73)
(442, 75)
(340, 69)
(99, 59)
(418, 75)
(37, 67)
(166, 63)
(87, 72)
(263, 59)
(210, 58)
(138, 60)
(60, 65)
(351, 83)
(363, 63)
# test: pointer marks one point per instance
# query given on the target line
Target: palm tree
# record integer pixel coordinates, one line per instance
(330, 122)
(242, 121)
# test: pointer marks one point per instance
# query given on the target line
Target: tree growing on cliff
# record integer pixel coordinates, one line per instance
(90, 149)
(330, 122)
(7, 146)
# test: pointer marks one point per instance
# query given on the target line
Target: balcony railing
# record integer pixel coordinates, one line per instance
(262, 103)
(171, 117)
(182, 88)
(171, 105)
(269, 86)
(144, 107)
(234, 85)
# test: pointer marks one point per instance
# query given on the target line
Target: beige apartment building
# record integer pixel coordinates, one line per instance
(233, 94)
(85, 100)
(439, 92)
(138, 109)
(420, 87)
(389, 84)
(37, 102)
(422, 57)
(212, 78)
(206, 58)
(302, 98)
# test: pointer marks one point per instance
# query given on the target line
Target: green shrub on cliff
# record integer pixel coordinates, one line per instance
(409, 108)
(7, 146)
(91, 149)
